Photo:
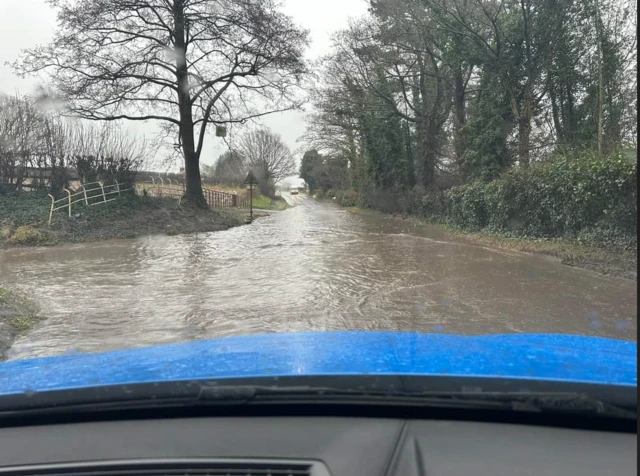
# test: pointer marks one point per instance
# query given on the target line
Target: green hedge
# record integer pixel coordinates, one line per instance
(575, 196)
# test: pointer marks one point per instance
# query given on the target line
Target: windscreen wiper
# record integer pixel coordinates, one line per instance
(238, 395)
(516, 401)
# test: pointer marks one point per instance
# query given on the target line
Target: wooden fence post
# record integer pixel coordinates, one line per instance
(69, 196)
(53, 201)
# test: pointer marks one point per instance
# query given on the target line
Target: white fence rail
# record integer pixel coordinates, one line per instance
(92, 193)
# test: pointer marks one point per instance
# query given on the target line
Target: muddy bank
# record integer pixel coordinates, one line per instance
(18, 315)
(128, 217)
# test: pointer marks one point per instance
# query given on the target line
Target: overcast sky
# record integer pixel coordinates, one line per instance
(26, 23)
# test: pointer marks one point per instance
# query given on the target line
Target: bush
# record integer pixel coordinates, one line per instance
(24, 209)
(410, 201)
(5, 232)
(349, 198)
(576, 196)
(27, 235)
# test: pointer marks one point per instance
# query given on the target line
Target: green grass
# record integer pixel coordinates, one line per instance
(25, 220)
(267, 203)
(25, 313)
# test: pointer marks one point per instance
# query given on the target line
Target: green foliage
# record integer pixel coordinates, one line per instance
(486, 154)
(309, 168)
(27, 235)
(24, 209)
(574, 195)
(268, 203)
(322, 173)
(386, 158)
(25, 311)
(347, 198)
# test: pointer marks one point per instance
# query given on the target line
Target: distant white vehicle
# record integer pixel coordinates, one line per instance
(294, 191)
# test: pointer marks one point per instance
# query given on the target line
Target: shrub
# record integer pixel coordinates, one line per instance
(410, 200)
(576, 195)
(5, 231)
(27, 235)
(349, 198)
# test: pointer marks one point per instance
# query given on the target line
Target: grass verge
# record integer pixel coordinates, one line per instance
(24, 220)
(267, 203)
(18, 315)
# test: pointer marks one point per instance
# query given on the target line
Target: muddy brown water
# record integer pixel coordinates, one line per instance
(313, 267)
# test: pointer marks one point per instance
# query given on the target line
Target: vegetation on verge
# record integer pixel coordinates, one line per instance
(268, 203)
(575, 196)
(128, 217)
(577, 207)
(18, 314)
(614, 262)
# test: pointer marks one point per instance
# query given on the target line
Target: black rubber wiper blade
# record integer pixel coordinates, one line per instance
(516, 401)
(542, 402)
(219, 395)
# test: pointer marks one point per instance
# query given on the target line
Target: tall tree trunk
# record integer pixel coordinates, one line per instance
(427, 151)
(193, 182)
(524, 135)
(600, 79)
(460, 116)
(555, 111)
(411, 167)
(524, 129)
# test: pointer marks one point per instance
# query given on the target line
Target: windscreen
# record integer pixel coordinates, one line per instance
(181, 171)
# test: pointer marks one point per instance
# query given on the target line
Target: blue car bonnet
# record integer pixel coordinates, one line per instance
(519, 356)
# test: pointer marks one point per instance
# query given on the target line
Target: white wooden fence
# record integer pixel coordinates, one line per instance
(89, 194)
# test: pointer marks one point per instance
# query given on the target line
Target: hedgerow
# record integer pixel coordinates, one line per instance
(578, 196)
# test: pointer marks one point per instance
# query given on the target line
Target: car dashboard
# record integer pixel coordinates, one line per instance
(312, 446)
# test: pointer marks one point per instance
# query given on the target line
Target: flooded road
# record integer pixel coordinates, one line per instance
(313, 267)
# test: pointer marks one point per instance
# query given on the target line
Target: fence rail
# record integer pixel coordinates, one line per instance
(92, 193)
(95, 193)
(165, 187)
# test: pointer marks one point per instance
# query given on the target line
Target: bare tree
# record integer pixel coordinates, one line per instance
(268, 158)
(44, 148)
(186, 63)
(106, 152)
(231, 168)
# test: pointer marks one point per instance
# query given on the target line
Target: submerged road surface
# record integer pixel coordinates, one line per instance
(313, 267)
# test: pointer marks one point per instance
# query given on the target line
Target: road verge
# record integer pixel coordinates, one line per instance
(131, 216)
(18, 315)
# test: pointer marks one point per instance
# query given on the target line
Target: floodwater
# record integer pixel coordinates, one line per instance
(313, 267)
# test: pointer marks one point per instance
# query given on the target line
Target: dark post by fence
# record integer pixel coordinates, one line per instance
(251, 181)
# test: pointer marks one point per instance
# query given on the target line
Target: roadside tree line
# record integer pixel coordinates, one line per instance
(424, 94)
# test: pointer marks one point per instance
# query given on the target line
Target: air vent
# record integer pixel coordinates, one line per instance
(181, 467)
